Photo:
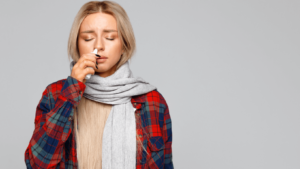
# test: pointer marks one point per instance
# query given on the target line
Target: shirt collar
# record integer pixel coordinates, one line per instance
(138, 99)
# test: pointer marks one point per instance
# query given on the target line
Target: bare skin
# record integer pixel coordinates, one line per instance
(97, 31)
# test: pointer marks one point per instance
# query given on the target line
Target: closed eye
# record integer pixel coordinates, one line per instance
(91, 39)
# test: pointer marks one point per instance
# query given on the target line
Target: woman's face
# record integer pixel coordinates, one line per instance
(99, 31)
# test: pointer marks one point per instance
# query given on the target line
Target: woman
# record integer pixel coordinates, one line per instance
(112, 120)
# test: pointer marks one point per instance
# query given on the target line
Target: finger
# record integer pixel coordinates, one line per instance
(87, 63)
(89, 70)
(90, 56)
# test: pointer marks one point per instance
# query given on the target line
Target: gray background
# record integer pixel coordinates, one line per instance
(229, 71)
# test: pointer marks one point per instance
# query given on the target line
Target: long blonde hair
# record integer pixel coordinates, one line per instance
(125, 31)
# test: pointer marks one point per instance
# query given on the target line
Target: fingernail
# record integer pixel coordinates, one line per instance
(97, 55)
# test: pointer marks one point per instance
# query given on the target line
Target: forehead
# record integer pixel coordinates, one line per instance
(98, 22)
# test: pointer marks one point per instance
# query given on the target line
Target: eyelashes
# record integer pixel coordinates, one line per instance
(91, 39)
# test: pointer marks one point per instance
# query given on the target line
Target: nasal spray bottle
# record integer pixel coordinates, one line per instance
(88, 76)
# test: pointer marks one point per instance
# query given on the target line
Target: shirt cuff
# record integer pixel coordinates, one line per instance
(73, 90)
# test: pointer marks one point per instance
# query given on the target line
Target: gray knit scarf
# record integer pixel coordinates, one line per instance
(119, 135)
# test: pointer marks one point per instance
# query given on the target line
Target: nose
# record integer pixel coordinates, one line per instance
(99, 44)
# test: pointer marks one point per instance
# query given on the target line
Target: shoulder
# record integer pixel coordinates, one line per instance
(154, 98)
(156, 95)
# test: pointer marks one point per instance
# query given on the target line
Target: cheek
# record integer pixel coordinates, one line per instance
(80, 44)
(82, 47)
(115, 58)
(115, 51)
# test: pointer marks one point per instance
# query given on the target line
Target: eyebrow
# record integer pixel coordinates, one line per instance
(105, 31)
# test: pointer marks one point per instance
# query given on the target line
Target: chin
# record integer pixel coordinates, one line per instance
(102, 69)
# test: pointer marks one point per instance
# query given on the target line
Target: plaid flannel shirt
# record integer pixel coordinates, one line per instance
(53, 145)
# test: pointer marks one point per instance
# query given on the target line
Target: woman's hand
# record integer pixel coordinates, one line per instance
(80, 69)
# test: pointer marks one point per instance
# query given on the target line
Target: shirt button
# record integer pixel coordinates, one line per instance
(140, 136)
(70, 118)
(134, 104)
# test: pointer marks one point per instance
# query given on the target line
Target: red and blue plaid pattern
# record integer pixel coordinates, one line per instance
(53, 145)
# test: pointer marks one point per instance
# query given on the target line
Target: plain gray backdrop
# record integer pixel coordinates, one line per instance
(229, 71)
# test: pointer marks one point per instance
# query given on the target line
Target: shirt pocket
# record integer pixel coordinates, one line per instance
(155, 157)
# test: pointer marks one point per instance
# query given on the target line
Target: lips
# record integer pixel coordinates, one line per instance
(102, 57)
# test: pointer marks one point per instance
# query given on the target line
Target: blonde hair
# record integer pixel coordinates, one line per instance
(91, 118)
(125, 31)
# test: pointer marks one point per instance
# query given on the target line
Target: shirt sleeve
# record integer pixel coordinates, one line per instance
(167, 136)
(52, 124)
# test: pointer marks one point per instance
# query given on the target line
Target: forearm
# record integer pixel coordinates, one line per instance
(52, 127)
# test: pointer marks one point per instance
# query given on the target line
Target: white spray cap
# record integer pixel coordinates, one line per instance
(89, 75)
